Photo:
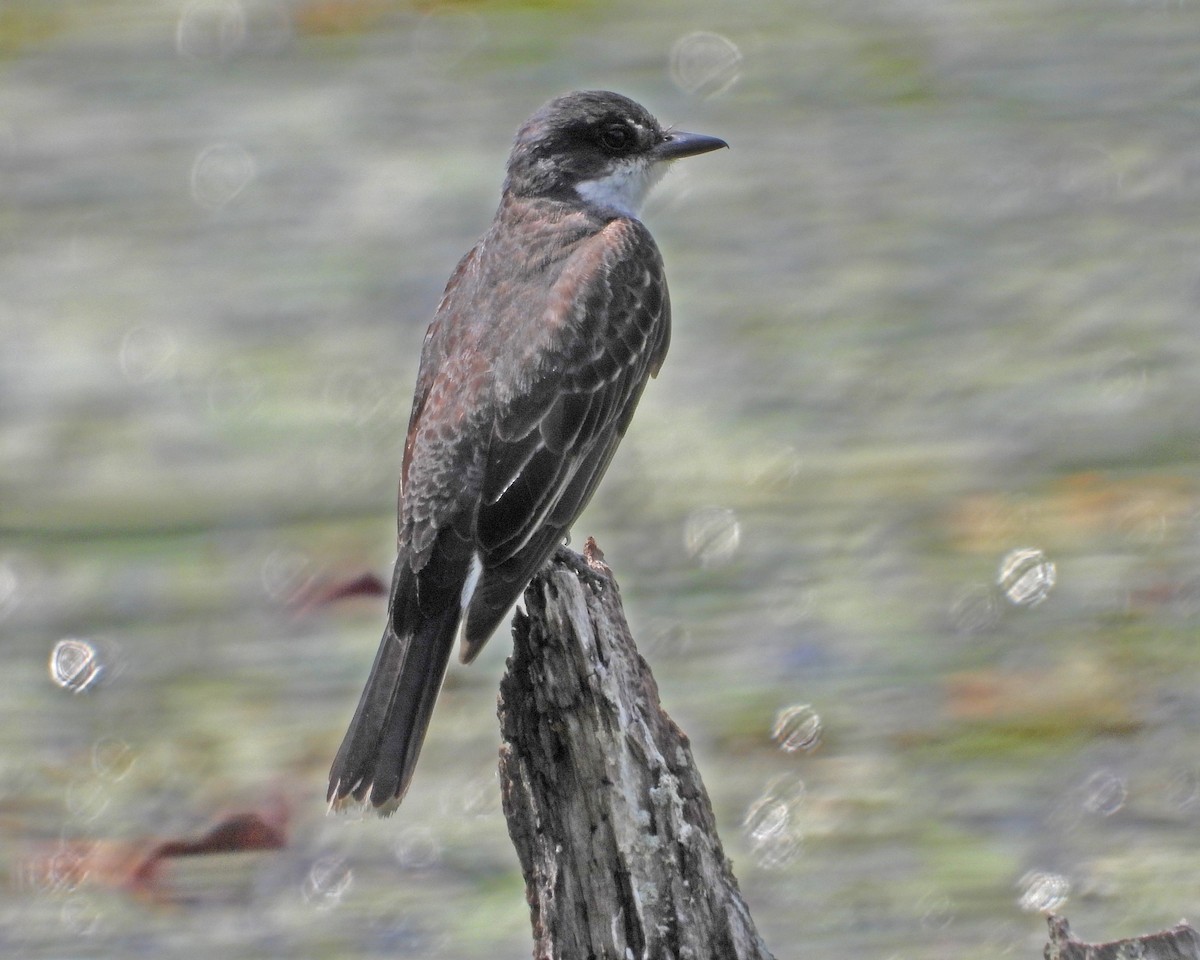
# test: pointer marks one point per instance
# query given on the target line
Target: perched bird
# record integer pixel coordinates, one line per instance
(531, 369)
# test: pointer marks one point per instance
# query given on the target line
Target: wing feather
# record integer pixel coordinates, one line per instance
(576, 409)
(606, 348)
(519, 409)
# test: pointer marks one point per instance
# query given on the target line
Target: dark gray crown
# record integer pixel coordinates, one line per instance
(577, 137)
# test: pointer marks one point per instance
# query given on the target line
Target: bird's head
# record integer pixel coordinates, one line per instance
(599, 147)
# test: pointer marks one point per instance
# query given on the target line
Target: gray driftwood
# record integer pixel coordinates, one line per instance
(1181, 942)
(604, 803)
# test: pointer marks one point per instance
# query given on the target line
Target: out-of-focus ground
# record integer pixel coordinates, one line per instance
(909, 526)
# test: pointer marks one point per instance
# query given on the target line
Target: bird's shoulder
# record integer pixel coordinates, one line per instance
(545, 281)
(535, 253)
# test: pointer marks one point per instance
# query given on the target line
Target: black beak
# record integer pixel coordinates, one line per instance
(677, 144)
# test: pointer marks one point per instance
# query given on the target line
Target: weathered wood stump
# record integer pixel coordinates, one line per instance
(1181, 942)
(605, 806)
(607, 810)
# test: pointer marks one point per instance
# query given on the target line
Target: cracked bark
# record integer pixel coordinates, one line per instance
(607, 810)
(605, 806)
(1179, 943)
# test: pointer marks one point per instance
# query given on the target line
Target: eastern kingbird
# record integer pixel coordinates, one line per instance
(536, 357)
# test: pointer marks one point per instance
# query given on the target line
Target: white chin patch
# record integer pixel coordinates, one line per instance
(623, 190)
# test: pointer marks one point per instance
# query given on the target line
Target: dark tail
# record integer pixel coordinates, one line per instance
(380, 750)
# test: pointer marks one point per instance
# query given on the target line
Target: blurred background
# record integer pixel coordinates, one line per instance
(908, 528)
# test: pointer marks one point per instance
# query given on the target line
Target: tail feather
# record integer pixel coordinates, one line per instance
(380, 749)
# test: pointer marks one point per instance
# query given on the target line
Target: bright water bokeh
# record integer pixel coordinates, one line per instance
(908, 527)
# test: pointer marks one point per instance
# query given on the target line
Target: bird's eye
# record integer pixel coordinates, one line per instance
(617, 137)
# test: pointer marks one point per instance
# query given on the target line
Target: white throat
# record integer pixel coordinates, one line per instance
(624, 189)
